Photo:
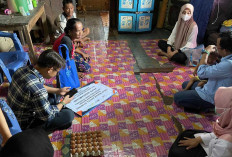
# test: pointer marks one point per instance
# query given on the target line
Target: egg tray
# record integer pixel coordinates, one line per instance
(86, 144)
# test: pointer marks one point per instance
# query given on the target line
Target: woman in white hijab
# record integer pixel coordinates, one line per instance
(218, 143)
(184, 35)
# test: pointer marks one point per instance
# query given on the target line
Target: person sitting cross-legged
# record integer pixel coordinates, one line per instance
(199, 99)
(200, 143)
(34, 103)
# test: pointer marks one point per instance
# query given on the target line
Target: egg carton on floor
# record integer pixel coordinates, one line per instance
(83, 144)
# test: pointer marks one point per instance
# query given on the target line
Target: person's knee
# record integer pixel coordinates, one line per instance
(68, 115)
(184, 84)
(160, 43)
(177, 97)
(173, 152)
(179, 57)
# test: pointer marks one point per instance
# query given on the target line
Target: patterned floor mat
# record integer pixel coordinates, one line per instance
(135, 122)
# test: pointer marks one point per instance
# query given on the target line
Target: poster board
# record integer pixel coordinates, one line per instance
(90, 96)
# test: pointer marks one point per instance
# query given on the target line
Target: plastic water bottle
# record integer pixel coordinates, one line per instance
(12, 5)
(22, 11)
(30, 5)
(34, 2)
(23, 3)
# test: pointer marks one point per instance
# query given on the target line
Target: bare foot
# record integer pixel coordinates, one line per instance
(81, 75)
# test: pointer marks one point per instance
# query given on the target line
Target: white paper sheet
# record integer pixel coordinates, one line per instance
(89, 96)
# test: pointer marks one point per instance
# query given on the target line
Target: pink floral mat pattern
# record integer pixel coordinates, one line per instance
(135, 122)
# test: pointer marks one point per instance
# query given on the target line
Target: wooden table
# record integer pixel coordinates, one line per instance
(24, 24)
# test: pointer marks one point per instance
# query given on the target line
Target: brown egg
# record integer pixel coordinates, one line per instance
(77, 134)
(95, 149)
(94, 140)
(88, 133)
(94, 135)
(78, 145)
(73, 134)
(99, 139)
(78, 150)
(78, 141)
(89, 145)
(90, 149)
(89, 140)
(84, 145)
(100, 144)
(73, 151)
(101, 148)
(72, 138)
(72, 142)
(73, 146)
(88, 136)
(94, 143)
(84, 150)
(78, 137)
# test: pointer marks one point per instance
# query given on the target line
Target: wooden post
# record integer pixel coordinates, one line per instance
(162, 14)
(30, 44)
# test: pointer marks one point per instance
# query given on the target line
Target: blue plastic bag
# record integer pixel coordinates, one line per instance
(68, 77)
(193, 55)
(10, 119)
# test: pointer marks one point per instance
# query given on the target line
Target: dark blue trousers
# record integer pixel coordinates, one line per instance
(190, 100)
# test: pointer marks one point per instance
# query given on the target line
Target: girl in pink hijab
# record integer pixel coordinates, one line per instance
(184, 35)
(215, 144)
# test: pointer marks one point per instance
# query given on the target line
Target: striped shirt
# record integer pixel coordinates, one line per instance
(28, 98)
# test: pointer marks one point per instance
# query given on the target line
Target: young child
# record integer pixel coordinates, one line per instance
(213, 58)
(61, 21)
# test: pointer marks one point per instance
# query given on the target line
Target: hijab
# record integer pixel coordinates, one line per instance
(184, 28)
(223, 103)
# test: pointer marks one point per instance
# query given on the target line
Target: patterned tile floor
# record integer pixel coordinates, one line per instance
(135, 122)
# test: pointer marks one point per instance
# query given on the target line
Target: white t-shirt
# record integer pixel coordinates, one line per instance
(192, 40)
(60, 23)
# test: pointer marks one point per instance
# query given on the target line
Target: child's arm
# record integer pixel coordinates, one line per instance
(201, 84)
(191, 82)
(195, 70)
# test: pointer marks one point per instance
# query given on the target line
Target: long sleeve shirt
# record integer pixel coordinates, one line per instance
(192, 40)
(214, 146)
(219, 75)
(28, 98)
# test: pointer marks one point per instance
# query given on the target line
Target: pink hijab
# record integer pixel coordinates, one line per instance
(223, 103)
(184, 28)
